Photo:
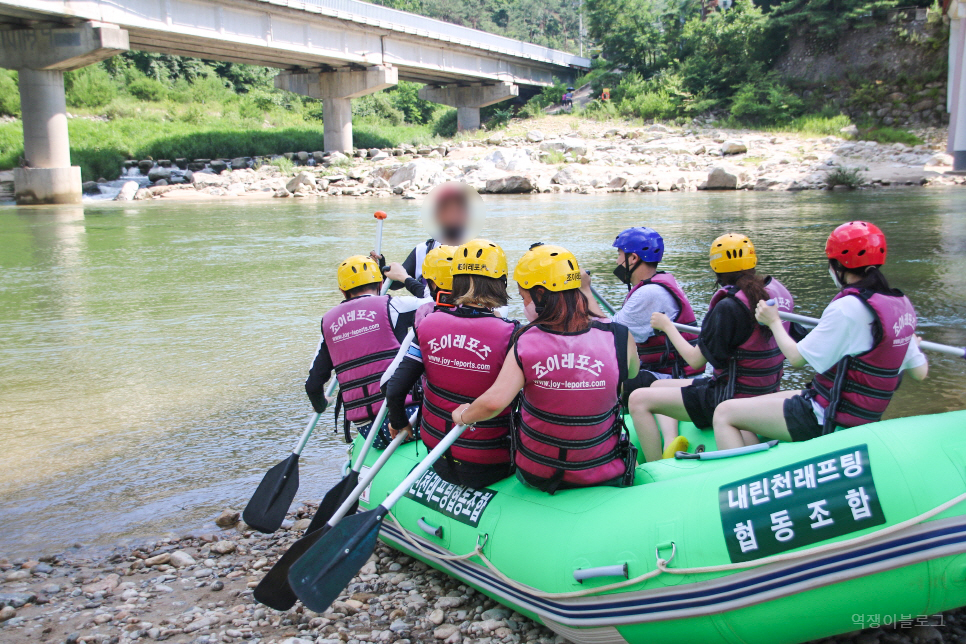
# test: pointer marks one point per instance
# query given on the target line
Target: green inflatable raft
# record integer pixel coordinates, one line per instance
(794, 543)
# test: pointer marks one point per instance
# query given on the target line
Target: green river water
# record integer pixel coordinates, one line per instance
(152, 354)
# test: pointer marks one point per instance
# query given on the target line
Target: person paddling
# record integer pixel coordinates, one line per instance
(452, 205)
(437, 270)
(459, 352)
(649, 291)
(570, 366)
(744, 354)
(360, 338)
(864, 340)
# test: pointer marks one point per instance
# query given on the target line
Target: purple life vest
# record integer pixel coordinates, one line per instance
(657, 354)
(756, 367)
(360, 339)
(463, 352)
(858, 389)
(570, 426)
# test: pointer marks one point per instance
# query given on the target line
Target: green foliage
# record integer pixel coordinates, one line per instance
(90, 87)
(889, 135)
(765, 101)
(634, 34)
(283, 163)
(498, 118)
(445, 124)
(822, 124)
(147, 89)
(827, 19)
(841, 176)
(553, 157)
(725, 50)
(9, 93)
(405, 98)
(380, 106)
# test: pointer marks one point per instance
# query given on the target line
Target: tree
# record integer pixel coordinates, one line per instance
(826, 19)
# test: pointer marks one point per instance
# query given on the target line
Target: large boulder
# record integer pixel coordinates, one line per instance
(301, 179)
(575, 146)
(238, 163)
(128, 190)
(336, 158)
(535, 136)
(722, 178)
(218, 166)
(512, 160)
(512, 184)
(203, 180)
(566, 177)
(420, 173)
(733, 146)
(555, 145)
(157, 173)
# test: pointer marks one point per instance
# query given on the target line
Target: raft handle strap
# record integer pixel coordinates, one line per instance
(662, 564)
(617, 570)
(436, 531)
(725, 453)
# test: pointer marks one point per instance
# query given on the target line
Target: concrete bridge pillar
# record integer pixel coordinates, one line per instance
(468, 99)
(956, 85)
(41, 56)
(336, 90)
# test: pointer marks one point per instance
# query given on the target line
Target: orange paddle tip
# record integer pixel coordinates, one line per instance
(380, 214)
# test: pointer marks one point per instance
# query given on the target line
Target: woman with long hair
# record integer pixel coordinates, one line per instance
(570, 366)
(744, 355)
(863, 342)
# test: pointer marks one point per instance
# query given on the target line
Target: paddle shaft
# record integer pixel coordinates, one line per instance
(451, 437)
(383, 409)
(610, 310)
(369, 476)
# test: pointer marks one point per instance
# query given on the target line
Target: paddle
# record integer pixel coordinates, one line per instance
(957, 352)
(274, 590)
(380, 218)
(273, 496)
(610, 310)
(327, 568)
(334, 497)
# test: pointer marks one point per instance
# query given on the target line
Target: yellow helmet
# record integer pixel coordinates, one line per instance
(732, 252)
(357, 271)
(438, 266)
(480, 257)
(551, 267)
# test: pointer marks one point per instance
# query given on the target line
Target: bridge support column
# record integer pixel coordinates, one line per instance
(468, 100)
(337, 89)
(41, 56)
(956, 85)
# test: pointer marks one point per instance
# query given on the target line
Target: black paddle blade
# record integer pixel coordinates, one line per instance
(266, 510)
(327, 568)
(333, 499)
(273, 590)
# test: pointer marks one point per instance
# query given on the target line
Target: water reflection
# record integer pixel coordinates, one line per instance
(152, 356)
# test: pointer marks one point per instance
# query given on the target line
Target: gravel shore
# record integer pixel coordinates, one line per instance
(198, 589)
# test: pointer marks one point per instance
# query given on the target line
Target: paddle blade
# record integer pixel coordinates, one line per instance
(333, 499)
(273, 590)
(327, 568)
(266, 510)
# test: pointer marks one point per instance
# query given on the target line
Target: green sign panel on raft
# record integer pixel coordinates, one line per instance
(459, 502)
(804, 503)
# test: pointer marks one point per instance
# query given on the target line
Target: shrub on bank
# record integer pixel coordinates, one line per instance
(90, 87)
(9, 93)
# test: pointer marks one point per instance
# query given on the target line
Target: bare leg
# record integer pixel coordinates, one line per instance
(759, 415)
(749, 438)
(643, 404)
(668, 425)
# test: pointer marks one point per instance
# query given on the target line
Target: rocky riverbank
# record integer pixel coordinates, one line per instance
(560, 154)
(198, 589)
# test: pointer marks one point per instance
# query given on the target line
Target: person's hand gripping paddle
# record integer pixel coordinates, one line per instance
(274, 590)
(321, 574)
(273, 496)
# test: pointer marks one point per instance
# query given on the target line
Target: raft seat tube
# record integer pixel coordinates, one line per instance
(618, 570)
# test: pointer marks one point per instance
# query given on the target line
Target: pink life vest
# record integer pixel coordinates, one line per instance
(570, 426)
(858, 389)
(463, 352)
(756, 366)
(359, 337)
(657, 354)
(422, 312)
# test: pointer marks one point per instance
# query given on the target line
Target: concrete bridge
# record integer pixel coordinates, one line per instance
(334, 50)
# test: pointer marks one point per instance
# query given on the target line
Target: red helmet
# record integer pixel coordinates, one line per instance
(857, 244)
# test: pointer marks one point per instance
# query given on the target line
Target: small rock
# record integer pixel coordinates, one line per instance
(51, 589)
(495, 613)
(925, 633)
(722, 178)
(535, 136)
(7, 612)
(158, 560)
(106, 585)
(17, 575)
(218, 585)
(227, 519)
(733, 147)
(16, 599)
(445, 631)
(180, 559)
(336, 158)
(399, 626)
(224, 547)
(90, 188)
(127, 192)
(218, 166)
(302, 525)
(437, 617)
(449, 602)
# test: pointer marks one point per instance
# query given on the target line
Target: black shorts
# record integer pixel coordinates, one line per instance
(700, 399)
(472, 475)
(800, 418)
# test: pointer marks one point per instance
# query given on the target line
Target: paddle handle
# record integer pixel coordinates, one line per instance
(383, 409)
(607, 306)
(380, 218)
(369, 476)
(304, 438)
(956, 352)
(451, 437)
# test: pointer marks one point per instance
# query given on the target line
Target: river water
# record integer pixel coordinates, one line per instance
(152, 354)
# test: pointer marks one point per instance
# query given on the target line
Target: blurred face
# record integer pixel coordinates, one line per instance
(452, 215)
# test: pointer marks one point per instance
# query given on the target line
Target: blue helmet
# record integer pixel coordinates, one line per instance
(644, 241)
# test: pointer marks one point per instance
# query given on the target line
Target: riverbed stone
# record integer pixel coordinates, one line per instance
(722, 178)
(513, 184)
(180, 559)
(733, 146)
(218, 166)
(127, 191)
(445, 631)
(16, 599)
(145, 166)
(7, 612)
(224, 547)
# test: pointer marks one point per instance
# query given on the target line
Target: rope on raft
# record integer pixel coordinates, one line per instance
(662, 564)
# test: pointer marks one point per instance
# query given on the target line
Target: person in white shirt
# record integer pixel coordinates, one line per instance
(863, 342)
